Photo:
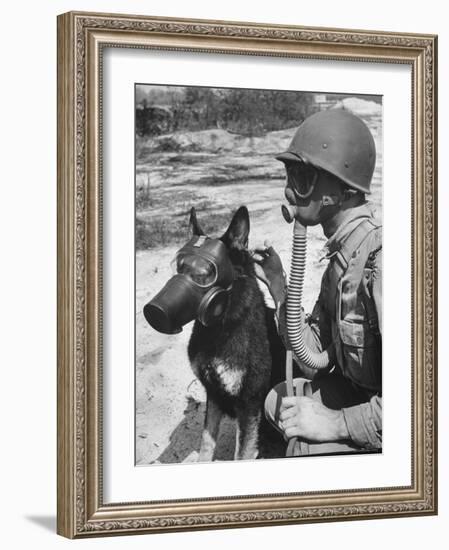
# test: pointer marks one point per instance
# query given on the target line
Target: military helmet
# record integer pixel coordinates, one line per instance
(336, 141)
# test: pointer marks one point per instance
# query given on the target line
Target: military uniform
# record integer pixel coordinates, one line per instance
(348, 313)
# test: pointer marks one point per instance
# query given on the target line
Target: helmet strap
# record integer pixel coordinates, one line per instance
(349, 193)
(330, 200)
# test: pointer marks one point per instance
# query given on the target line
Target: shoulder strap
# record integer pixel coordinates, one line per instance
(353, 259)
(367, 296)
(354, 240)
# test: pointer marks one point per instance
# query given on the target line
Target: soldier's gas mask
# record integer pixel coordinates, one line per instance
(199, 288)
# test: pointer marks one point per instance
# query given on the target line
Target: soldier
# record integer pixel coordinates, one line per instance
(329, 166)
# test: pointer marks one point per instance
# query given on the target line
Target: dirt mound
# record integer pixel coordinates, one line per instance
(217, 141)
(360, 107)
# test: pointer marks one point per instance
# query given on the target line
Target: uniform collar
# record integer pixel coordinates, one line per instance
(350, 221)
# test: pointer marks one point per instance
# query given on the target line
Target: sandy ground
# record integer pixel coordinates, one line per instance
(170, 401)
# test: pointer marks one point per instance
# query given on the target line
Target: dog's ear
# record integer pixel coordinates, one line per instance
(236, 235)
(194, 226)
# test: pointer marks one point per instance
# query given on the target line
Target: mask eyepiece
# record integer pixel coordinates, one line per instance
(301, 178)
(201, 271)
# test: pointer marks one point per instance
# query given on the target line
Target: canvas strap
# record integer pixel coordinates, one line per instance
(295, 446)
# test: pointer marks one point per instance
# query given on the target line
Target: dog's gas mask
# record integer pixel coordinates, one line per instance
(199, 288)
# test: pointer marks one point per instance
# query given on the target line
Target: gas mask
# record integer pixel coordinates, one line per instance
(302, 179)
(199, 289)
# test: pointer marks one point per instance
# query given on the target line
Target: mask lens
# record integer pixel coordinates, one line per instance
(201, 271)
(301, 178)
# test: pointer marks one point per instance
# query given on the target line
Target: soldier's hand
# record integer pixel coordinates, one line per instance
(310, 419)
(269, 269)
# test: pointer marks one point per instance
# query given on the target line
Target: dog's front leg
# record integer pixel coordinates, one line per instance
(247, 436)
(210, 432)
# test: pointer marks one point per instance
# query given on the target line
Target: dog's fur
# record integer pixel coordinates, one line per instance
(233, 359)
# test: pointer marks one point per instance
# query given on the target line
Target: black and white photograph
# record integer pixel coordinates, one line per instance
(258, 274)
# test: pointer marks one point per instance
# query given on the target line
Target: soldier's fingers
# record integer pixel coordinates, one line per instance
(288, 402)
(293, 431)
(260, 247)
(258, 258)
(288, 413)
(289, 423)
(260, 253)
(260, 274)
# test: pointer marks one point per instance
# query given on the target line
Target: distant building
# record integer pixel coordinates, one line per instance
(325, 101)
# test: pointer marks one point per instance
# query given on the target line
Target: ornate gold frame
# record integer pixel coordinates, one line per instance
(81, 37)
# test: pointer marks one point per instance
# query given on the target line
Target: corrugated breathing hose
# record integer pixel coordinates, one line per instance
(312, 359)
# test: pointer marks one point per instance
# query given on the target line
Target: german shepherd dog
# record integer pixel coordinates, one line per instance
(233, 359)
